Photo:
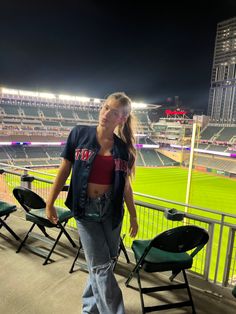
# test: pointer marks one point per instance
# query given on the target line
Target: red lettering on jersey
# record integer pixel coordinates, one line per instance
(86, 154)
(121, 165)
(83, 154)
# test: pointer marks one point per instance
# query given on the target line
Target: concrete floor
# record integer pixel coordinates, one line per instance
(29, 287)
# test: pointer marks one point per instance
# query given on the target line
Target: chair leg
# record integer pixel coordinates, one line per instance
(53, 247)
(122, 248)
(189, 292)
(42, 228)
(25, 238)
(137, 266)
(2, 223)
(76, 257)
(66, 233)
(63, 230)
(140, 292)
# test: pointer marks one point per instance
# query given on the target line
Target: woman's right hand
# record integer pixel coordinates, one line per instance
(51, 214)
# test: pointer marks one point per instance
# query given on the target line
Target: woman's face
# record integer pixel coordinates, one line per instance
(112, 114)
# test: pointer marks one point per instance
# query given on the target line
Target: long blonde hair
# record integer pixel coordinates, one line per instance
(126, 131)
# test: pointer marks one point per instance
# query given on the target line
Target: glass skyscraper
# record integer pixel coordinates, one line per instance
(222, 96)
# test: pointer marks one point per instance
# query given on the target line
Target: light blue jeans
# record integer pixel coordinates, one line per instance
(100, 244)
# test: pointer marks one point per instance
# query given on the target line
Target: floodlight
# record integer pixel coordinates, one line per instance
(137, 105)
(9, 91)
(82, 99)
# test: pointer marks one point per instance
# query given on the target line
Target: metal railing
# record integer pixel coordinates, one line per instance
(216, 263)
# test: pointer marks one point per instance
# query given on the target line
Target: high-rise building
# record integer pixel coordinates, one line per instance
(222, 96)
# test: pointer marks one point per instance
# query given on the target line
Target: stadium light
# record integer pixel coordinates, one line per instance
(137, 105)
(47, 95)
(82, 99)
(96, 100)
(28, 93)
(9, 91)
(67, 97)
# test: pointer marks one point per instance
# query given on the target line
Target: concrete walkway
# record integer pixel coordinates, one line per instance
(26, 286)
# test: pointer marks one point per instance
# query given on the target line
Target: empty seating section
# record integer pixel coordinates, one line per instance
(142, 117)
(54, 152)
(202, 146)
(209, 132)
(54, 161)
(227, 134)
(139, 161)
(3, 154)
(67, 113)
(11, 122)
(83, 115)
(150, 157)
(149, 141)
(49, 112)
(35, 152)
(10, 110)
(166, 160)
(141, 140)
(216, 163)
(217, 148)
(31, 123)
(52, 123)
(94, 115)
(30, 111)
(145, 140)
(17, 152)
(68, 124)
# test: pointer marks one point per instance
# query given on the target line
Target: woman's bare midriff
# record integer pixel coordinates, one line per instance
(97, 190)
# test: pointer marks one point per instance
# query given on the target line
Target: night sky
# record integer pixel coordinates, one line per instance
(152, 52)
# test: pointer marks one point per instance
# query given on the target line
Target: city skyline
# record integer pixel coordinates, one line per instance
(153, 53)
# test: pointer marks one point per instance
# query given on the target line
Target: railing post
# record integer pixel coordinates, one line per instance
(219, 247)
(208, 252)
(26, 181)
(230, 248)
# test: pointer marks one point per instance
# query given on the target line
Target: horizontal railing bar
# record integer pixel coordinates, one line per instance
(184, 204)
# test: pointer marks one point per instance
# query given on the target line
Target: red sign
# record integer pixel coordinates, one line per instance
(175, 112)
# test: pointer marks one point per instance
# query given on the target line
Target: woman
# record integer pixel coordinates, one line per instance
(100, 183)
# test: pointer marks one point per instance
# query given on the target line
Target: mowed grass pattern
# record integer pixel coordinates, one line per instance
(207, 190)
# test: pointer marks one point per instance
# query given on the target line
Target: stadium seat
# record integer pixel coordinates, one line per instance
(5, 210)
(34, 206)
(84, 266)
(168, 252)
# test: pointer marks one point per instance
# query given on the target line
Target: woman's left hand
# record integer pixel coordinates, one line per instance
(133, 227)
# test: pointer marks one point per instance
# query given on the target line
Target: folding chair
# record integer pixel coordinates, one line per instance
(34, 206)
(84, 266)
(5, 210)
(168, 252)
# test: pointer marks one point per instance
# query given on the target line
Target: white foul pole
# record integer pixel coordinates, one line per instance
(190, 166)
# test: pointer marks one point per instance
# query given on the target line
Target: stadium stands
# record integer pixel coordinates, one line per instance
(226, 134)
(210, 131)
(216, 163)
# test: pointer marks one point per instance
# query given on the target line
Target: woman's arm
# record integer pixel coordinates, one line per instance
(62, 175)
(129, 201)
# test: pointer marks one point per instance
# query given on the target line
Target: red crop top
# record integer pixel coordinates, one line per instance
(102, 170)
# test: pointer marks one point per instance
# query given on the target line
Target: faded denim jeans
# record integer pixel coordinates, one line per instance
(100, 244)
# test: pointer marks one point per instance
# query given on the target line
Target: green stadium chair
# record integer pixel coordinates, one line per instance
(168, 252)
(5, 210)
(34, 206)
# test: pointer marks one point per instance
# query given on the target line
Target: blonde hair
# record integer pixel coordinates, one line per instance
(126, 131)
